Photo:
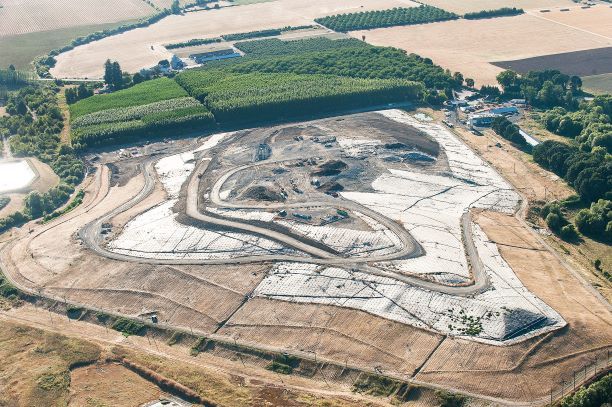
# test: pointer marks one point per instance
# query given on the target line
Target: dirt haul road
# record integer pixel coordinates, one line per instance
(91, 236)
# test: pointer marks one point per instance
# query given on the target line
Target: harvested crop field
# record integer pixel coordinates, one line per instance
(22, 17)
(596, 20)
(461, 7)
(133, 49)
(598, 84)
(581, 63)
(470, 46)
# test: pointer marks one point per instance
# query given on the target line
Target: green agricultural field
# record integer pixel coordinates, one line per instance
(149, 109)
(138, 95)
(355, 62)
(257, 96)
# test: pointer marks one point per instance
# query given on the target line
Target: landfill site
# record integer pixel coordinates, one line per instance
(376, 240)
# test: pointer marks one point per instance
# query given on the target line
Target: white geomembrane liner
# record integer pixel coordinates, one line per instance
(430, 206)
(156, 233)
(505, 314)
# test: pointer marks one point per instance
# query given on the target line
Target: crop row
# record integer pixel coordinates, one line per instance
(385, 18)
(134, 112)
(142, 94)
(154, 125)
(257, 97)
(277, 47)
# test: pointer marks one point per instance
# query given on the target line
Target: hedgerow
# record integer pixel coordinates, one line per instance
(500, 12)
(277, 47)
(385, 18)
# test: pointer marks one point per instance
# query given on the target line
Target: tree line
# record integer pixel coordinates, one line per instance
(508, 130)
(590, 173)
(500, 12)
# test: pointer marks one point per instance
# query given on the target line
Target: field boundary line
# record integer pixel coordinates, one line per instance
(531, 13)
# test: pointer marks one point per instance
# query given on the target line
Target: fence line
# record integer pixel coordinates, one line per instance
(574, 380)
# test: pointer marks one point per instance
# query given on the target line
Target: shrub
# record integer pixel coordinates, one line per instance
(129, 327)
(500, 12)
(595, 395)
(597, 220)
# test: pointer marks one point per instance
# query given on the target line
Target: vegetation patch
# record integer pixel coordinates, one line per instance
(175, 338)
(74, 312)
(589, 173)
(198, 346)
(145, 110)
(194, 42)
(447, 399)
(376, 385)
(595, 395)
(142, 94)
(36, 122)
(129, 327)
(508, 130)
(78, 200)
(262, 33)
(4, 200)
(500, 12)
(385, 18)
(243, 98)
(278, 47)
(283, 364)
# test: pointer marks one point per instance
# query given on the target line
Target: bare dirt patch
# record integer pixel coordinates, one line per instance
(227, 382)
(589, 62)
(35, 365)
(469, 46)
(110, 384)
(143, 47)
(596, 19)
(345, 335)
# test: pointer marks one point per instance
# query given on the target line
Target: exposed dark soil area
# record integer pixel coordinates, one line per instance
(261, 193)
(332, 167)
(581, 63)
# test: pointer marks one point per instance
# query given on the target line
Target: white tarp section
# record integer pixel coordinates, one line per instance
(430, 205)
(507, 312)
(157, 234)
